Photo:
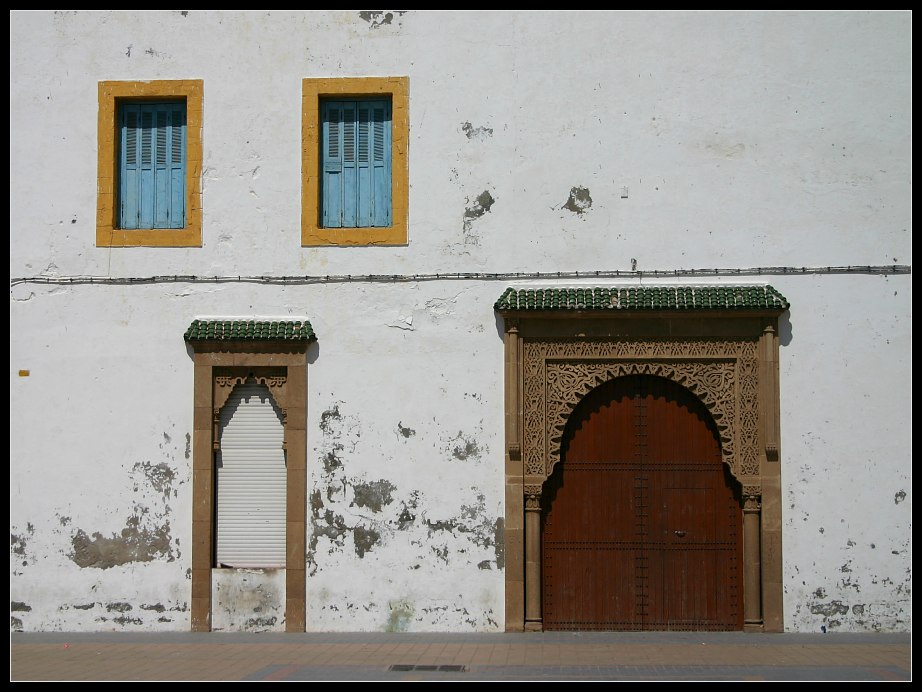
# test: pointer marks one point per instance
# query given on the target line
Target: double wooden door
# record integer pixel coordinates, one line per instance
(641, 527)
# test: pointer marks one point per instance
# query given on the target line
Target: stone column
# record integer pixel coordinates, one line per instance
(533, 558)
(752, 582)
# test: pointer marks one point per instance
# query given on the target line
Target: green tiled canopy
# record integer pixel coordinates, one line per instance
(249, 330)
(643, 298)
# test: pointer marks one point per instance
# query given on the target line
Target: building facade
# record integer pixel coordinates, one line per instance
(460, 321)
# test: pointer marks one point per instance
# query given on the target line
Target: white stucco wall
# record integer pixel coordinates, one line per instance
(704, 140)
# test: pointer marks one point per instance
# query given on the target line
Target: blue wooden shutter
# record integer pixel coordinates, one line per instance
(152, 165)
(332, 179)
(356, 182)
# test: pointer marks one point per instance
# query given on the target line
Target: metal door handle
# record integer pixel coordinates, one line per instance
(679, 533)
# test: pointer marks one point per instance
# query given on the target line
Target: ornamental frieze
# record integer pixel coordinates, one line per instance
(723, 374)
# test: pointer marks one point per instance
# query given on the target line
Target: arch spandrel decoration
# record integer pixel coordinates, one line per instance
(723, 374)
(225, 380)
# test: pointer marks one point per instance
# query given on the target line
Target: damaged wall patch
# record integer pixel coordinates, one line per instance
(373, 495)
(135, 544)
(579, 200)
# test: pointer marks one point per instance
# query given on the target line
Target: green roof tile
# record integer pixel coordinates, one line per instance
(643, 298)
(249, 330)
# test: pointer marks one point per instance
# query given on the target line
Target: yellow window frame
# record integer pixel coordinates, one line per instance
(108, 234)
(313, 90)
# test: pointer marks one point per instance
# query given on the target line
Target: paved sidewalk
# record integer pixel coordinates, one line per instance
(548, 656)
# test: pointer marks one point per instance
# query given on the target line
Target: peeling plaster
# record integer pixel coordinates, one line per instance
(829, 609)
(135, 544)
(437, 308)
(405, 432)
(331, 461)
(20, 294)
(331, 526)
(464, 448)
(899, 497)
(125, 620)
(316, 502)
(160, 476)
(19, 545)
(579, 200)
(473, 523)
(19, 607)
(378, 18)
(146, 537)
(480, 206)
(472, 132)
(340, 431)
(373, 495)
(329, 417)
(334, 428)
(404, 322)
(407, 517)
(365, 539)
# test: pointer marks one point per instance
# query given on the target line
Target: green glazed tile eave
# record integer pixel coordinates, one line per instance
(643, 298)
(250, 330)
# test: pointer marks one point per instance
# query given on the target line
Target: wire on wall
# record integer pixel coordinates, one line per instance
(886, 269)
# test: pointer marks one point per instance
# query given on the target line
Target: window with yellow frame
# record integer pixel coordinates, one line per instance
(354, 176)
(149, 164)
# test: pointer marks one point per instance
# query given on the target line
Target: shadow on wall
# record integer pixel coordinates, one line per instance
(785, 330)
(500, 326)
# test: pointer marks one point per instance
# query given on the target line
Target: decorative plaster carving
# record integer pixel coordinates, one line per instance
(227, 379)
(532, 497)
(723, 374)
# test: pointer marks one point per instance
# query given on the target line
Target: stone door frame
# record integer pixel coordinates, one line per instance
(219, 367)
(729, 360)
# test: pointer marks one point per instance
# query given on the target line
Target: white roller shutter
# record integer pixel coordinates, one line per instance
(250, 477)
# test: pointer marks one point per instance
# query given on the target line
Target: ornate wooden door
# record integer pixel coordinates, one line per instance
(642, 520)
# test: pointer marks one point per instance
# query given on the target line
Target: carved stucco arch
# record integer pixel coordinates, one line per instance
(722, 374)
